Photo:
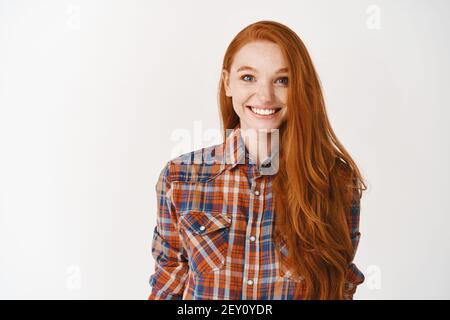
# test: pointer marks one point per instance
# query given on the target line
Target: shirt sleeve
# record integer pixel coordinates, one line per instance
(171, 264)
(354, 276)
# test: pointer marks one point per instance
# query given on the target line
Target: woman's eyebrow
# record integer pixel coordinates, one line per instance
(254, 70)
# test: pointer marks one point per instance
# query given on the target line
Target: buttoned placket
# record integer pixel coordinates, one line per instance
(254, 221)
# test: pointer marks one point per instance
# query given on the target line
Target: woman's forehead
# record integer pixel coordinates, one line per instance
(259, 56)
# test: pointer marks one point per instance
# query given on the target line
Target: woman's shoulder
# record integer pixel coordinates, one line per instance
(200, 165)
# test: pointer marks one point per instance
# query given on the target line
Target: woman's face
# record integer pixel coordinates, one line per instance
(258, 84)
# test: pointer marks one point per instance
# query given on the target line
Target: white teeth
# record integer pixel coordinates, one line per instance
(263, 111)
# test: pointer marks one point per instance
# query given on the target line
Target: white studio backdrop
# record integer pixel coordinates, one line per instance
(95, 97)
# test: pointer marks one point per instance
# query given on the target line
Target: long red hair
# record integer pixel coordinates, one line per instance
(311, 204)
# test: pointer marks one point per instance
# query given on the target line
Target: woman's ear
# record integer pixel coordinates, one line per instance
(226, 82)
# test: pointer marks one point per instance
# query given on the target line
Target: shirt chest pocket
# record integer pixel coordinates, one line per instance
(206, 237)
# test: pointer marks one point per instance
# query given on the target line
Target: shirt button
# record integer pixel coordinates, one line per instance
(202, 228)
(252, 238)
(256, 193)
(250, 282)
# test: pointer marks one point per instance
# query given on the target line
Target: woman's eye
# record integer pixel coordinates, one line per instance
(245, 76)
(286, 80)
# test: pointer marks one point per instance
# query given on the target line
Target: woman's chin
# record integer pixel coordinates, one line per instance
(262, 124)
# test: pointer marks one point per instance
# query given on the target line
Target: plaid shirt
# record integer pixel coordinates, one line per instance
(213, 235)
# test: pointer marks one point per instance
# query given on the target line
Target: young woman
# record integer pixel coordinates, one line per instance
(234, 223)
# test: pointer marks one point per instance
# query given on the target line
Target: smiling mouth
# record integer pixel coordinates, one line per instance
(263, 112)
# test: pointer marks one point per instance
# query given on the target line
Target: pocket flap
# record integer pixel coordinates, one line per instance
(204, 222)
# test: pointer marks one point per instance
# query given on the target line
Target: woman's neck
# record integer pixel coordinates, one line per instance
(259, 143)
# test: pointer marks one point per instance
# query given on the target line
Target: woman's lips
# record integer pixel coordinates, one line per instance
(264, 116)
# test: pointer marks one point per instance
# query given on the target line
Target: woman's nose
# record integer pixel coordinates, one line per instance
(265, 91)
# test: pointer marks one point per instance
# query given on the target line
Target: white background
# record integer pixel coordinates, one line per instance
(96, 95)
